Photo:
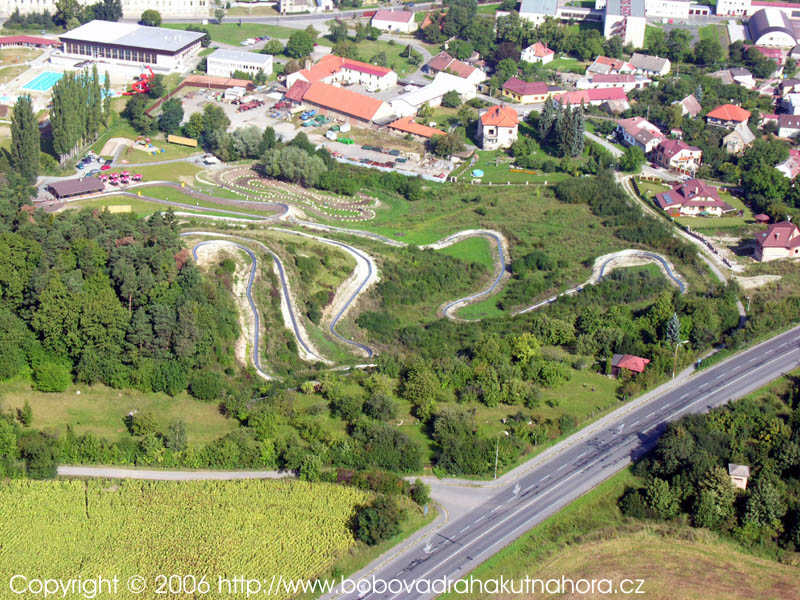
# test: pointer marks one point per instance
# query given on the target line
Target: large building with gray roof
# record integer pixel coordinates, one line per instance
(127, 44)
(536, 11)
(626, 19)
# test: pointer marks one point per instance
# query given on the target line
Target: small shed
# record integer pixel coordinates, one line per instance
(76, 187)
(628, 362)
(761, 218)
(183, 141)
(739, 475)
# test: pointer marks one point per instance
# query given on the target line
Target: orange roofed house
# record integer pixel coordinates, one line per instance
(780, 240)
(336, 70)
(497, 127)
(727, 115)
(627, 362)
(409, 125)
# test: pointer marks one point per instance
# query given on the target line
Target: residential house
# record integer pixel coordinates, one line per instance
(791, 166)
(693, 198)
(791, 103)
(497, 127)
(626, 81)
(735, 75)
(639, 132)
(729, 8)
(727, 115)
(537, 53)
(536, 11)
(739, 475)
(780, 240)
(677, 155)
(529, 92)
(737, 140)
(336, 70)
(408, 125)
(788, 125)
(394, 20)
(609, 66)
(653, 66)
(629, 363)
(690, 106)
(789, 86)
(614, 98)
(444, 63)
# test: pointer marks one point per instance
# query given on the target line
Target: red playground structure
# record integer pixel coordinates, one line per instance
(142, 83)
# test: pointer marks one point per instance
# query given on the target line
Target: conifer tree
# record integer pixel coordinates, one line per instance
(25, 140)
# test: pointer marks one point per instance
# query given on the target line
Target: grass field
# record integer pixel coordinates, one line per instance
(9, 73)
(717, 32)
(234, 33)
(475, 249)
(10, 56)
(566, 64)
(100, 410)
(264, 529)
(590, 538)
(496, 167)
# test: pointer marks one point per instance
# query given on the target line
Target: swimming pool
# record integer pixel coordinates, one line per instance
(43, 82)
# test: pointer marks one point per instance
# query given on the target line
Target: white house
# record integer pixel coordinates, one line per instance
(598, 81)
(395, 20)
(131, 9)
(653, 66)
(536, 11)
(625, 18)
(788, 125)
(791, 103)
(675, 9)
(639, 132)
(297, 6)
(497, 127)
(444, 63)
(537, 53)
(224, 62)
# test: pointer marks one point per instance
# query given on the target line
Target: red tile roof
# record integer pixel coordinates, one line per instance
(630, 362)
(729, 112)
(540, 50)
(779, 235)
(409, 125)
(694, 193)
(613, 78)
(669, 148)
(330, 64)
(525, 88)
(395, 16)
(343, 101)
(28, 39)
(500, 116)
(298, 90)
(597, 95)
(444, 62)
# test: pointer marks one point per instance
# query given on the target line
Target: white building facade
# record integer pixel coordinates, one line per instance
(131, 9)
(224, 63)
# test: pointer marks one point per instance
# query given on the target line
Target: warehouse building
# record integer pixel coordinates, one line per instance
(75, 187)
(127, 44)
(224, 63)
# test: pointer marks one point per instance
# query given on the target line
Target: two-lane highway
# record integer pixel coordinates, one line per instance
(585, 461)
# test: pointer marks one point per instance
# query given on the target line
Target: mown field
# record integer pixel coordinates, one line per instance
(260, 529)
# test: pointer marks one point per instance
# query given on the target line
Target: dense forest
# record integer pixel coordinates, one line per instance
(686, 476)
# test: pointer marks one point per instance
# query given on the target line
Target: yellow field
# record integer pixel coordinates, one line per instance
(256, 529)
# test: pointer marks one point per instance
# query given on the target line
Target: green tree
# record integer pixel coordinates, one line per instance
(378, 521)
(632, 159)
(219, 14)
(446, 145)
(40, 454)
(300, 44)
(108, 10)
(451, 99)
(708, 52)
(24, 152)
(661, 499)
(272, 47)
(169, 121)
(714, 507)
(66, 11)
(337, 31)
(25, 414)
(175, 438)
(157, 87)
(151, 18)
(673, 331)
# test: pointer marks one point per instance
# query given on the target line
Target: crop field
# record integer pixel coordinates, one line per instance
(263, 529)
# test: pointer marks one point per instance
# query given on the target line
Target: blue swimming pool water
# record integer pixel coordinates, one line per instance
(43, 82)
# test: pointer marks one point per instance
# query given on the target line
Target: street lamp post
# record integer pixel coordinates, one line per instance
(675, 358)
(497, 452)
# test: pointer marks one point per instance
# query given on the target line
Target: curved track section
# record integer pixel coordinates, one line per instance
(606, 263)
(501, 267)
(290, 312)
(364, 275)
(255, 354)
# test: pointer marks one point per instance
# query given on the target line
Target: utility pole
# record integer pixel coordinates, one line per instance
(497, 452)
(675, 358)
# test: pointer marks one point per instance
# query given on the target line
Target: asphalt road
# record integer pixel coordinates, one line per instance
(463, 544)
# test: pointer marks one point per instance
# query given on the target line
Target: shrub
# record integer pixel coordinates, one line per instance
(52, 375)
(378, 521)
(206, 385)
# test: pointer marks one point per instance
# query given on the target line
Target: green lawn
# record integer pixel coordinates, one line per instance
(474, 249)
(9, 73)
(496, 166)
(100, 410)
(234, 33)
(367, 49)
(717, 32)
(567, 64)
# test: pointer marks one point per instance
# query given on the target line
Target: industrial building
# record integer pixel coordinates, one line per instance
(127, 44)
(224, 63)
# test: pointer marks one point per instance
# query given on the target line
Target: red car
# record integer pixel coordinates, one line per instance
(105, 167)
